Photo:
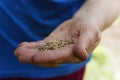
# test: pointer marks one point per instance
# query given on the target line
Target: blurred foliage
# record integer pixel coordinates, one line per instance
(100, 56)
(98, 68)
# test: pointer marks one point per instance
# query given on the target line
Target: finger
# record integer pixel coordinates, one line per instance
(21, 47)
(26, 56)
(36, 44)
(50, 65)
(23, 44)
(84, 42)
(73, 59)
(26, 45)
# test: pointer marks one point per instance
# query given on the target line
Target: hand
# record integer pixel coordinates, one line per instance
(84, 35)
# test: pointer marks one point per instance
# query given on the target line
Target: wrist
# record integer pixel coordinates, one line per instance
(87, 22)
(101, 12)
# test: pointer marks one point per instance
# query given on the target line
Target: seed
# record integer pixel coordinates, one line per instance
(53, 45)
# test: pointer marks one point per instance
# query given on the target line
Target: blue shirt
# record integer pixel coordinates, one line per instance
(32, 20)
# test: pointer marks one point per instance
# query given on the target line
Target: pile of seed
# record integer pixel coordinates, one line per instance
(53, 45)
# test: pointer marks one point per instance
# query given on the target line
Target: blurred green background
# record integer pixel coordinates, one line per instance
(106, 58)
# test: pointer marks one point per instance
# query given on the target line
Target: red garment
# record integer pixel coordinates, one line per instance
(74, 76)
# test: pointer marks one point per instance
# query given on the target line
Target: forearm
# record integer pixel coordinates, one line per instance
(102, 12)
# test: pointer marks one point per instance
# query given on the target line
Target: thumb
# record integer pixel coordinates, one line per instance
(82, 45)
(80, 52)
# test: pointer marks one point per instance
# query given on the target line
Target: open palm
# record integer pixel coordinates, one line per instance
(84, 37)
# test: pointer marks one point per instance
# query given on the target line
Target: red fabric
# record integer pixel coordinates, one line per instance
(74, 76)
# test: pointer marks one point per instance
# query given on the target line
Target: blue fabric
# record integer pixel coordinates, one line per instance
(32, 20)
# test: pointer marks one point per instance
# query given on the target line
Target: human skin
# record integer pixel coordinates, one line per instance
(83, 29)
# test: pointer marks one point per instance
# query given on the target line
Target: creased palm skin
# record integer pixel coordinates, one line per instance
(84, 37)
